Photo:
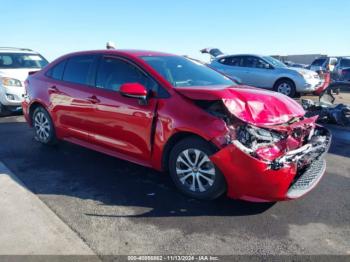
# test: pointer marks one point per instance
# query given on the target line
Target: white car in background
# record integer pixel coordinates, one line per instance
(15, 65)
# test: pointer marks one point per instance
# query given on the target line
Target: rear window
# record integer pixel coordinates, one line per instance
(20, 60)
(79, 69)
(319, 62)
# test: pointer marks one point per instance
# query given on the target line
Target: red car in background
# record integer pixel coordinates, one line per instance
(173, 114)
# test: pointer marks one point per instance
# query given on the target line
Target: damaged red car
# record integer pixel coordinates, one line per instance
(176, 115)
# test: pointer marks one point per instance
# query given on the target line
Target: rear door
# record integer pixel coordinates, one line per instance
(232, 66)
(70, 95)
(120, 124)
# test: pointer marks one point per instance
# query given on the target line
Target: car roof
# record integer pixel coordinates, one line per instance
(224, 56)
(17, 50)
(129, 52)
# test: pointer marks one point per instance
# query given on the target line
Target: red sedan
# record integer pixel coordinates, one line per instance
(173, 114)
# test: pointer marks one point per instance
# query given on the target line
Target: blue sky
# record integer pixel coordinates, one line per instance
(182, 27)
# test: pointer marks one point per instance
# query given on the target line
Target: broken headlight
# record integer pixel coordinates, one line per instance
(254, 137)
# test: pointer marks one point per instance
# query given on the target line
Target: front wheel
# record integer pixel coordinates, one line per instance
(44, 130)
(286, 87)
(193, 172)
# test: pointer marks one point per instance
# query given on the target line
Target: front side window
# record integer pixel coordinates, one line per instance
(20, 60)
(114, 72)
(182, 72)
(79, 69)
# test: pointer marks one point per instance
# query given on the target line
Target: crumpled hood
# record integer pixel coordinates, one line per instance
(17, 73)
(252, 105)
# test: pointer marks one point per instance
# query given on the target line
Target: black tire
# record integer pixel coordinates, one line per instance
(2, 110)
(277, 87)
(194, 145)
(39, 116)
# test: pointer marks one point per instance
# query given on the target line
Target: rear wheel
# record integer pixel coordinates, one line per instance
(193, 172)
(44, 130)
(286, 87)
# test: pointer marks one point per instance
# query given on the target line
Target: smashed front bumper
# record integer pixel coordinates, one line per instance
(288, 177)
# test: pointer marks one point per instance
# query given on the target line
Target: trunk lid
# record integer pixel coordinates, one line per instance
(214, 52)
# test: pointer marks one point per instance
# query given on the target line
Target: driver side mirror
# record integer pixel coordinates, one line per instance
(134, 90)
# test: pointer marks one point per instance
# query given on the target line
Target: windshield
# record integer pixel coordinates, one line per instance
(182, 72)
(274, 61)
(20, 60)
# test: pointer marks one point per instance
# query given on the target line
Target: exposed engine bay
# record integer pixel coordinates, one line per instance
(300, 140)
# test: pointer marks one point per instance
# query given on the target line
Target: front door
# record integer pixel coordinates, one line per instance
(258, 72)
(121, 124)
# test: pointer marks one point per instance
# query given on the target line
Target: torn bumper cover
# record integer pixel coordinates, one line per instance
(289, 176)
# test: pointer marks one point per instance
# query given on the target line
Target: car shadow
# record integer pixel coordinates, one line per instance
(77, 182)
(73, 171)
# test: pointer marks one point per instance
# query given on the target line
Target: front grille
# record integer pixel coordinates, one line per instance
(307, 179)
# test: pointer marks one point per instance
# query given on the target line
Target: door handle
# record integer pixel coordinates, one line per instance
(54, 89)
(93, 99)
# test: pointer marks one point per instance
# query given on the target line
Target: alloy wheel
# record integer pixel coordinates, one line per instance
(195, 171)
(284, 88)
(42, 127)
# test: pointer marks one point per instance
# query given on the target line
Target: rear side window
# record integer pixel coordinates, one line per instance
(113, 72)
(254, 62)
(231, 61)
(345, 62)
(56, 72)
(79, 69)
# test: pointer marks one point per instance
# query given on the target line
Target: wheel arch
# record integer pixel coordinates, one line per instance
(176, 138)
(34, 105)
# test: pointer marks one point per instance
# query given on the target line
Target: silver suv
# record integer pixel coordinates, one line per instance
(268, 72)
